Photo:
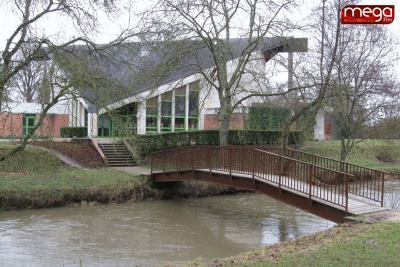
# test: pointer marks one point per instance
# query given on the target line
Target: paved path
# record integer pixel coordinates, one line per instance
(62, 157)
(135, 170)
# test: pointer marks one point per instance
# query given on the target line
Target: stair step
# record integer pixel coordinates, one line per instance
(117, 155)
(122, 165)
(111, 158)
(121, 162)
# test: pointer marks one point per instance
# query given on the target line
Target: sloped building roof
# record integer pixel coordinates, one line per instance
(109, 74)
(34, 108)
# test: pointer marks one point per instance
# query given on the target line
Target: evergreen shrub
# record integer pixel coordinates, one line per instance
(69, 132)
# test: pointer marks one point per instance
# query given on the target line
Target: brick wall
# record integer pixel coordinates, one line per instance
(52, 124)
(11, 124)
(211, 121)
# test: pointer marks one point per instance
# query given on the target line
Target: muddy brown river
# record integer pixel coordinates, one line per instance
(149, 233)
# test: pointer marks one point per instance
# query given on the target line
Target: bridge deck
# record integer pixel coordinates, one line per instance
(355, 206)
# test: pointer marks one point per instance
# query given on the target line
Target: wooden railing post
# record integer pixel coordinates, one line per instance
(164, 166)
(230, 156)
(310, 175)
(209, 158)
(253, 164)
(192, 157)
(347, 194)
(178, 157)
(280, 172)
(151, 163)
(383, 188)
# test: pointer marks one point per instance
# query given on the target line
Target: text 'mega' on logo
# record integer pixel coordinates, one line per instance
(367, 14)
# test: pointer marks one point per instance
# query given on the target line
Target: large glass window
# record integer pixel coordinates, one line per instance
(193, 103)
(125, 120)
(166, 124)
(178, 110)
(179, 124)
(151, 115)
(166, 108)
(104, 126)
(166, 112)
(180, 105)
(194, 106)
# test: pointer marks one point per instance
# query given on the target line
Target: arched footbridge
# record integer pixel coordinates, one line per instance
(323, 186)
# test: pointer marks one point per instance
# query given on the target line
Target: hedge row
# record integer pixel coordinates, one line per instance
(146, 144)
(69, 132)
(267, 117)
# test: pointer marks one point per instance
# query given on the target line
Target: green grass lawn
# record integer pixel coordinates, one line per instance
(364, 245)
(367, 153)
(42, 169)
(376, 245)
(36, 178)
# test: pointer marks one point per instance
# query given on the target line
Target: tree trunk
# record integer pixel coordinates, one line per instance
(285, 134)
(224, 130)
(225, 120)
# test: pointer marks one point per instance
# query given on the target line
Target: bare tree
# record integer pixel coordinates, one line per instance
(315, 73)
(363, 82)
(82, 15)
(233, 72)
(27, 83)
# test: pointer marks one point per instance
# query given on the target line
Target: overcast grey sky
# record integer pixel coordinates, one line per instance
(56, 25)
(61, 29)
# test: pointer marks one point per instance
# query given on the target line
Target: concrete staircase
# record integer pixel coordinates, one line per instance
(117, 155)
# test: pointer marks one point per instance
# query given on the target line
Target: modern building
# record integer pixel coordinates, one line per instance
(159, 94)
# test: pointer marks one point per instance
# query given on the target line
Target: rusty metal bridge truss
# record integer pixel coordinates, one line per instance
(323, 186)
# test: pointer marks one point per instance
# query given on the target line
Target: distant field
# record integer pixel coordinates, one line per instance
(382, 155)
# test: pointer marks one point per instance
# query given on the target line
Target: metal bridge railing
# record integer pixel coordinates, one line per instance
(285, 172)
(367, 183)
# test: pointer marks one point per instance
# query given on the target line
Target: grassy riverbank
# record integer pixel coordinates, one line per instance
(366, 245)
(377, 154)
(37, 179)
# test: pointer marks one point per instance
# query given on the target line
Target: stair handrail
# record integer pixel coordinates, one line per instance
(98, 149)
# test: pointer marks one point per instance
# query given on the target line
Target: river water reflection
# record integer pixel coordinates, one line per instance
(150, 232)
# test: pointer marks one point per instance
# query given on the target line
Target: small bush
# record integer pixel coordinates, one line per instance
(69, 132)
